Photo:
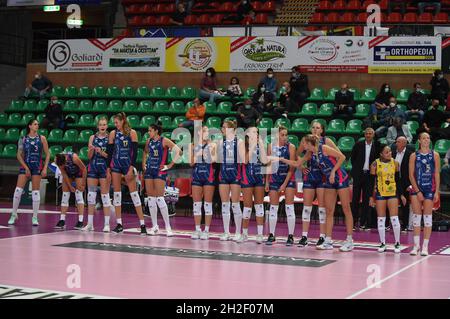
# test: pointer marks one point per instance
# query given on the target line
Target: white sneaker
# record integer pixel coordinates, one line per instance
(204, 235)
(325, 246)
(259, 239)
(243, 238)
(225, 236)
(154, 230)
(35, 221)
(196, 234)
(88, 227)
(424, 251)
(169, 232)
(106, 229)
(382, 248)
(397, 249)
(347, 246)
(237, 238)
(12, 220)
(414, 251)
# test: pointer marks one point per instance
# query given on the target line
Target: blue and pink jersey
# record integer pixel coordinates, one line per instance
(327, 164)
(121, 159)
(32, 154)
(203, 171)
(230, 169)
(157, 157)
(424, 172)
(72, 170)
(278, 178)
(252, 171)
(314, 179)
(97, 164)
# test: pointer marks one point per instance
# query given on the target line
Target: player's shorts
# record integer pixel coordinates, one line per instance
(336, 185)
(202, 182)
(275, 186)
(426, 195)
(34, 171)
(313, 183)
(253, 181)
(378, 196)
(155, 174)
(96, 171)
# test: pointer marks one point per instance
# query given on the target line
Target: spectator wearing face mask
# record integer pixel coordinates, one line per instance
(262, 100)
(286, 104)
(439, 87)
(53, 114)
(433, 120)
(299, 86)
(381, 101)
(41, 85)
(417, 104)
(234, 89)
(269, 81)
(387, 117)
(247, 115)
(208, 86)
(344, 102)
(396, 130)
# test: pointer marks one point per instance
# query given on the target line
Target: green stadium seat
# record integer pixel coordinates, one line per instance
(145, 106)
(161, 107)
(100, 106)
(177, 107)
(354, 127)
(144, 139)
(158, 92)
(2, 134)
(55, 136)
(382, 141)
(130, 106)
(42, 104)
(210, 107)
(84, 154)
(214, 121)
(356, 93)
(283, 122)
(12, 134)
(188, 92)
(85, 106)
(346, 143)
(29, 105)
(368, 95)
(139, 135)
(134, 120)
(27, 117)
(139, 155)
(402, 96)
(113, 92)
(336, 126)
(326, 110)
(293, 139)
(317, 95)
(86, 120)
(300, 125)
(348, 166)
(309, 109)
(70, 136)
(68, 149)
(224, 107)
(172, 92)
(3, 118)
(266, 122)
(9, 151)
(230, 118)
(71, 105)
(249, 92)
(402, 107)
(1, 149)
(85, 135)
(322, 121)
(331, 137)
(55, 149)
(99, 92)
(85, 92)
(23, 132)
(412, 126)
(442, 146)
(362, 110)
(115, 106)
(58, 91)
(128, 92)
(15, 105)
(43, 132)
(331, 94)
(178, 120)
(147, 120)
(15, 119)
(166, 121)
(445, 125)
(75, 119)
(71, 92)
(143, 92)
(167, 135)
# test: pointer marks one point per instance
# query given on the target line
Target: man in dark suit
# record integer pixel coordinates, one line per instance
(363, 154)
(401, 155)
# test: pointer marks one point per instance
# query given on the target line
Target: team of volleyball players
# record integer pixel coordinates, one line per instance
(245, 166)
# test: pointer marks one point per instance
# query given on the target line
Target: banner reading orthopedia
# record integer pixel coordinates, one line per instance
(332, 54)
(106, 55)
(404, 54)
(257, 54)
(197, 54)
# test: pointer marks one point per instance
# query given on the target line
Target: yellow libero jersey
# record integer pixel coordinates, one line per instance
(386, 178)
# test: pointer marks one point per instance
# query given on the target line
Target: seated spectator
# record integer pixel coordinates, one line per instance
(299, 86)
(344, 102)
(433, 120)
(381, 101)
(54, 117)
(243, 9)
(270, 83)
(208, 87)
(396, 130)
(41, 85)
(392, 4)
(188, 6)
(417, 103)
(436, 4)
(247, 115)
(195, 113)
(262, 100)
(439, 87)
(179, 15)
(387, 117)
(286, 104)
(234, 89)
(445, 172)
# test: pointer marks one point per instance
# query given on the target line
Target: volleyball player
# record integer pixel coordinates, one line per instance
(424, 168)
(29, 155)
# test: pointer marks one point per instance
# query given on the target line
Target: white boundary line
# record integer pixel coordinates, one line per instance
(30, 211)
(375, 284)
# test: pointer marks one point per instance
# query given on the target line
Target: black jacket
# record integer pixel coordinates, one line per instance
(439, 88)
(404, 171)
(358, 156)
(417, 101)
(346, 99)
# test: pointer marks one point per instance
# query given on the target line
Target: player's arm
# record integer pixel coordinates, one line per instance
(291, 169)
(78, 162)
(145, 154)
(47, 155)
(19, 154)
(91, 148)
(173, 147)
(412, 173)
(437, 175)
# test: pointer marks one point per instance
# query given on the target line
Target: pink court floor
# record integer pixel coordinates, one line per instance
(38, 261)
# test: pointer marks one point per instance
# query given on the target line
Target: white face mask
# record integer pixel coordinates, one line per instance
(418, 90)
(270, 76)
(263, 89)
(392, 104)
(208, 73)
(386, 90)
(440, 76)
(37, 76)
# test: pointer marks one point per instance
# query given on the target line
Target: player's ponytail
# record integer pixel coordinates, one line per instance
(157, 127)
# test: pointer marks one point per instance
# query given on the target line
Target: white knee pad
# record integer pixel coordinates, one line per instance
(65, 199)
(18, 193)
(290, 211)
(226, 208)
(117, 199)
(92, 196)
(136, 199)
(273, 213)
(381, 222)
(161, 202)
(208, 209)
(416, 220)
(36, 196)
(106, 200)
(428, 220)
(236, 207)
(247, 213)
(395, 221)
(152, 202)
(79, 197)
(259, 209)
(306, 213)
(197, 210)
(322, 215)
